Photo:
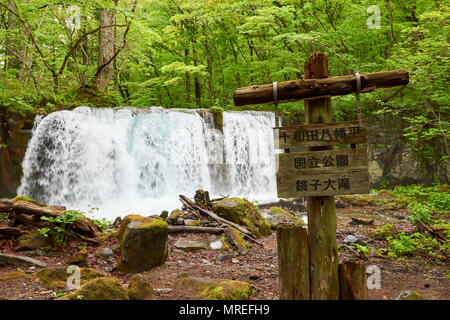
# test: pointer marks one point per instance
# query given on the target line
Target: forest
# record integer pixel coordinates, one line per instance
(125, 157)
(193, 54)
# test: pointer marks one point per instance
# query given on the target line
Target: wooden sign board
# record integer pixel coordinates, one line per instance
(319, 134)
(323, 173)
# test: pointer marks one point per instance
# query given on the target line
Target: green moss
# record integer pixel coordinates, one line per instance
(129, 218)
(13, 275)
(104, 288)
(157, 225)
(217, 113)
(56, 278)
(24, 198)
(278, 210)
(244, 213)
(227, 290)
(383, 232)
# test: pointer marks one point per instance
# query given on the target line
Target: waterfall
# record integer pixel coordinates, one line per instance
(113, 162)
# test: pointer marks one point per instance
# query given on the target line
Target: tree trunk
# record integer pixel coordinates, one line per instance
(106, 39)
(11, 42)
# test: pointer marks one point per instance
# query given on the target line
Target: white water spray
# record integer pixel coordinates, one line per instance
(129, 160)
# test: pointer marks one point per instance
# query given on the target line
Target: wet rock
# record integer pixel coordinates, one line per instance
(409, 295)
(20, 261)
(139, 288)
(105, 288)
(143, 245)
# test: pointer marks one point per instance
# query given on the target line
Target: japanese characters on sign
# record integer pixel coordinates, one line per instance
(320, 134)
(324, 172)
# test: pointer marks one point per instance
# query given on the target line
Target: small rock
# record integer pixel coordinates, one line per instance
(207, 262)
(79, 258)
(234, 260)
(164, 290)
(139, 288)
(117, 222)
(106, 253)
(352, 239)
(109, 269)
(409, 295)
(427, 285)
(254, 277)
(164, 214)
(399, 216)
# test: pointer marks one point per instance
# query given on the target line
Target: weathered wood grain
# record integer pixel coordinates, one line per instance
(355, 181)
(310, 88)
(293, 262)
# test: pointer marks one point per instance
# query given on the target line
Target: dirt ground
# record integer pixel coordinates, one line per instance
(259, 266)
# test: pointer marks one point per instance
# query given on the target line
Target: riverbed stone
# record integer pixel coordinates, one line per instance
(143, 245)
(56, 278)
(190, 244)
(244, 213)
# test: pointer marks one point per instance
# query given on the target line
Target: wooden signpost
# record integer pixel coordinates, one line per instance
(311, 270)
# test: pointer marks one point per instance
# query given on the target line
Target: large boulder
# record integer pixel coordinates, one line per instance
(143, 244)
(244, 213)
(104, 288)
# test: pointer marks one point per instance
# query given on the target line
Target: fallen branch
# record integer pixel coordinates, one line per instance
(175, 229)
(11, 232)
(211, 214)
(431, 230)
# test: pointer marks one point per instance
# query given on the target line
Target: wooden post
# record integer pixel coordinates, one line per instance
(352, 280)
(293, 262)
(323, 254)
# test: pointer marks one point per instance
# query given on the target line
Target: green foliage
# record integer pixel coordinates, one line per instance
(3, 218)
(60, 226)
(361, 249)
(416, 243)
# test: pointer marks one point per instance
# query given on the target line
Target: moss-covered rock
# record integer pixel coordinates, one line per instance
(56, 278)
(143, 245)
(382, 232)
(191, 222)
(79, 258)
(217, 113)
(409, 295)
(278, 215)
(31, 241)
(235, 238)
(105, 288)
(358, 200)
(244, 213)
(139, 288)
(219, 289)
(175, 215)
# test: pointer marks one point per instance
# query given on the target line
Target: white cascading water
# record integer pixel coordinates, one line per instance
(128, 160)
